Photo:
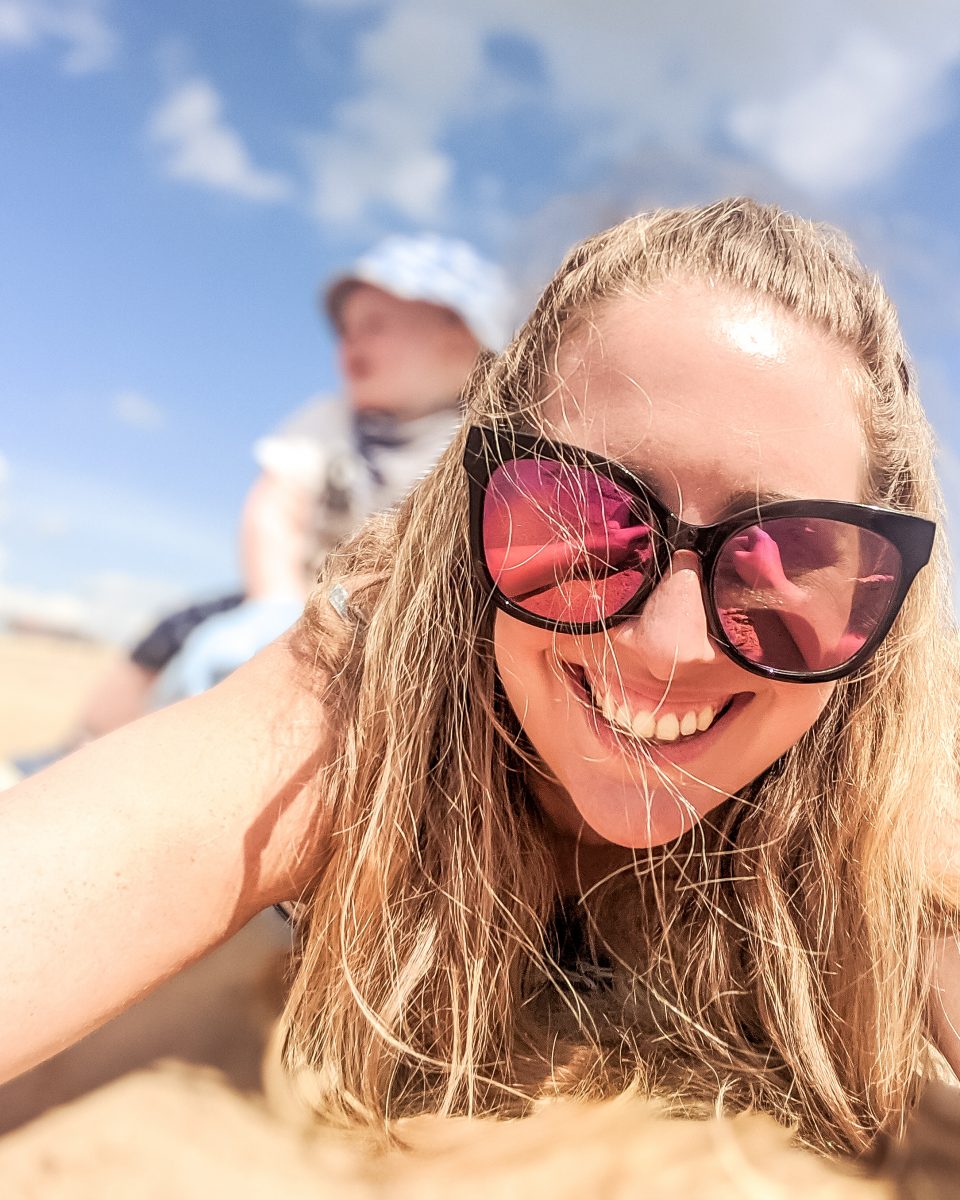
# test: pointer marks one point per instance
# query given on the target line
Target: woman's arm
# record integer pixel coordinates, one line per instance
(134, 856)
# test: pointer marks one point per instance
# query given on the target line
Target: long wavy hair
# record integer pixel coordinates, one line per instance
(778, 956)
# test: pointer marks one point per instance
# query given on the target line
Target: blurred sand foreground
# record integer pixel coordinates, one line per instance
(178, 1132)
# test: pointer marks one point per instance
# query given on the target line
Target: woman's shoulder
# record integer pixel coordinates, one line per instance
(145, 848)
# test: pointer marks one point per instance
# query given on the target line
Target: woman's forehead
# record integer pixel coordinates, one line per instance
(709, 392)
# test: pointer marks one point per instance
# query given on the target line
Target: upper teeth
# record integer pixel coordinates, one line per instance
(634, 716)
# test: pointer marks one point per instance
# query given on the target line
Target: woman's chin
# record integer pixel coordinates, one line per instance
(636, 821)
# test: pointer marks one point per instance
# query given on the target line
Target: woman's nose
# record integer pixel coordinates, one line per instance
(670, 631)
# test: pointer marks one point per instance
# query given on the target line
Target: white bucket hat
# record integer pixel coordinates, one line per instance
(439, 270)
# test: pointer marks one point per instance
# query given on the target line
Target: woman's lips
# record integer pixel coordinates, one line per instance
(677, 750)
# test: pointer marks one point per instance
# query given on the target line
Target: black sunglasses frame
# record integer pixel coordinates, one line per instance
(487, 449)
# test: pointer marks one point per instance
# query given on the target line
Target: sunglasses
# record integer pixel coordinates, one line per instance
(799, 590)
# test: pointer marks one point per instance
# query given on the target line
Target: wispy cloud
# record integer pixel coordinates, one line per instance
(86, 556)
(198, 146)
(80, 27)
(384, 150)
(138, 411)
(100, 524)
(849, 123)
(826, 99)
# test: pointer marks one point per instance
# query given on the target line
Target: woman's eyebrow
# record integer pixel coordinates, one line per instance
(730, 504)
(738, 502)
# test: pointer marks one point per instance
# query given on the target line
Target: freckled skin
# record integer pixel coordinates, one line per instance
(716, 394)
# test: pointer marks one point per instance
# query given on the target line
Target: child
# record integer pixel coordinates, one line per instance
(622, 757)
(410, 316)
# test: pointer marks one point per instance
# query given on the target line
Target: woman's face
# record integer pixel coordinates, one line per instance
(716, 399)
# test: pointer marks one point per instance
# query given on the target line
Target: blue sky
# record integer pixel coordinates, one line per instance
(177, 178)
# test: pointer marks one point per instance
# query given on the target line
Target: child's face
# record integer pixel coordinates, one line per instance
(401, 356)
(711, 395)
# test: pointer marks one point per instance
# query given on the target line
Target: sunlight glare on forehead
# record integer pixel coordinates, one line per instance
(755, 333)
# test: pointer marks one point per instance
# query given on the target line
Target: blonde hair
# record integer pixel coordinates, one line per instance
(778, 957)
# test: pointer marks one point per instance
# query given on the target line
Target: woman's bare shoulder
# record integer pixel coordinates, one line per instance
(142, 850)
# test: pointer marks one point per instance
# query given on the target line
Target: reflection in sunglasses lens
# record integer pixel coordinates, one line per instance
(804, 593)
(565, 542)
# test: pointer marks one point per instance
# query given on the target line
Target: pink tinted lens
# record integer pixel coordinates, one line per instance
(804, 593)
(564, 542)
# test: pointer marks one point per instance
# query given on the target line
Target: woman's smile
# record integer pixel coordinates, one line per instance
(673, 728)
(659, 719)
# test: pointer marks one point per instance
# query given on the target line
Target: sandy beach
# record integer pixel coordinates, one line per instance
(43, 682)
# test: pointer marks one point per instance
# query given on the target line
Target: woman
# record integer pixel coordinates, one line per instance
(609, 762)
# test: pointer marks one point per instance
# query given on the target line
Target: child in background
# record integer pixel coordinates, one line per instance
(410, 317)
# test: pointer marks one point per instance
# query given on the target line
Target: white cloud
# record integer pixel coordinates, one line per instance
(828, 96)
(849, 123)
(200, 147)
(89, 43)
(139, 412)
(385, 149)
(352, 177)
